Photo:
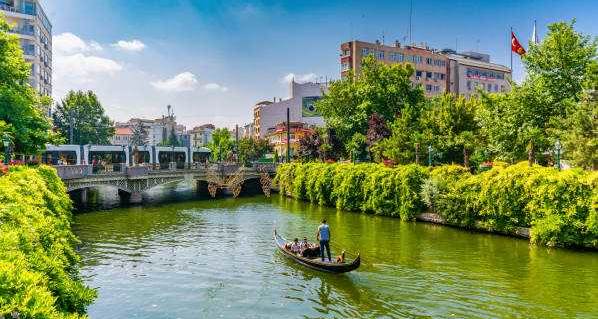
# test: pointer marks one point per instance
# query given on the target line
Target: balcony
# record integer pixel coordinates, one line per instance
(23, 31)
(8, 8)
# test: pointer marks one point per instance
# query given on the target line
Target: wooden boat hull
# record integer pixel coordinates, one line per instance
(316, 264)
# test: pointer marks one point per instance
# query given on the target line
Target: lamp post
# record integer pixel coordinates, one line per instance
(430, 149)
(558, 148)
(172, 157)
(6, 142)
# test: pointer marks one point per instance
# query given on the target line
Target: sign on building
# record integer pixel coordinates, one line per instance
(309, 106)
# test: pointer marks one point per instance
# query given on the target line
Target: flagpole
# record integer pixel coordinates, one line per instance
(511, 48)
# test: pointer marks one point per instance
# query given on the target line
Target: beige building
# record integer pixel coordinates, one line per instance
(470, 71)
(200, 136)
(31, 25)
(436, 71)
(431, 67)
(301, 105)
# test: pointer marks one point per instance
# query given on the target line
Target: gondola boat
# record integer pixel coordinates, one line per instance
(316, 263)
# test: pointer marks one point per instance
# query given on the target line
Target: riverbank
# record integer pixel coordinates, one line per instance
(550, 207)
(38, 263)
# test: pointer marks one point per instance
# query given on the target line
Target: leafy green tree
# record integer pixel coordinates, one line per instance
(450, 127)
(527, 120)
(19, 103)
(385, 89)
(580, 135)
(221, 144)
(357, 147)
(83, 113)
(518, 124)
(561, 61)
(252, 149)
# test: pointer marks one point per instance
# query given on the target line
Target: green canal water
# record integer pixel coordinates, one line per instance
(216, 259)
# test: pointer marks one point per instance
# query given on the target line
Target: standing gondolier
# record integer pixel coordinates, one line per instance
(323, 235)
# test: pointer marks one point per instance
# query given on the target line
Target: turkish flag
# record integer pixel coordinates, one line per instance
(516, 46)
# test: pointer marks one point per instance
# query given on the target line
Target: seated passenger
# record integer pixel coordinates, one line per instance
(296, 247)
(304, 244)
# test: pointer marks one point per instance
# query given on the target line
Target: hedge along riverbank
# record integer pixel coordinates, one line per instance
(560, 207)
(38, 262)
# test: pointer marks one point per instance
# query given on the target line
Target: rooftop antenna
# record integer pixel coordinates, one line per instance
(410, 21)
(382, 37)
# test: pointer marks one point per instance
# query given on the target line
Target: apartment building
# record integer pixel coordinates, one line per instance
(31, 25)
(431, 67)
(301, 105)
(470, 71)
(436, 71)
(277, 136)
(200, 136)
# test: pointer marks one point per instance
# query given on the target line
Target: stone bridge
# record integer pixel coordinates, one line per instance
(134, 180)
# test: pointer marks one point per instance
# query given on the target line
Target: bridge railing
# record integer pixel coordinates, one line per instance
(73, 171)
(81, 171)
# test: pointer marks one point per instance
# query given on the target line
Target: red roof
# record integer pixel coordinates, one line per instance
(123, 131)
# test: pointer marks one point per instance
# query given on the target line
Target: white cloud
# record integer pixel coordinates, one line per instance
(182, 82)
(74, 62)
(130, 46)
(215, 87)
(68, 43)
(299, 78)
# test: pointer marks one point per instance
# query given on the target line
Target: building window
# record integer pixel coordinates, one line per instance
(418, 73)
(468, 85)
(429, 61)
(345, 66)
(428, 75)
(380, 55)
(365, 51)
(29, 8)
(428, 88)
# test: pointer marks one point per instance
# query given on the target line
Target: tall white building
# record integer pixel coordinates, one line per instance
(301, 107)
(31, 25)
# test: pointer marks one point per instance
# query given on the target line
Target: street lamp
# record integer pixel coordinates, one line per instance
(430, 149)
(6, 142)
(172, 157)
(558, 147)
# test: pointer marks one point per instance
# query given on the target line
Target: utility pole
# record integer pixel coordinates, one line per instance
(71, 126)
(288, 135)
(237, 142)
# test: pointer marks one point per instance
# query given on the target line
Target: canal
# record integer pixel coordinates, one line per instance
(216, 259)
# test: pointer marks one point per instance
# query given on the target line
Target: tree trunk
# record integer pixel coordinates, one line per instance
(531, 154)
(417, 153)
(465, 157)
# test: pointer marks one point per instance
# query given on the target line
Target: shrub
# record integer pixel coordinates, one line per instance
(560, 207)
(38, 263)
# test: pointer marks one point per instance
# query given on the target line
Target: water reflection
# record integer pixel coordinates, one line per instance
(217, 259)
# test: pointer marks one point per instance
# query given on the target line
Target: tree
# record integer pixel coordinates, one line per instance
(357, 147)
(139, 137)
(19, 103)
(221, 144)
(580, 135)
(449, 125)
(310, 146)
(385, 89)
(560, 62)
(83, 114)
(252, 149)
(528, 120)
(377, 129)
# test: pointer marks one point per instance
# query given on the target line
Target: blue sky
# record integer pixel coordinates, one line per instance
(212, 60)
